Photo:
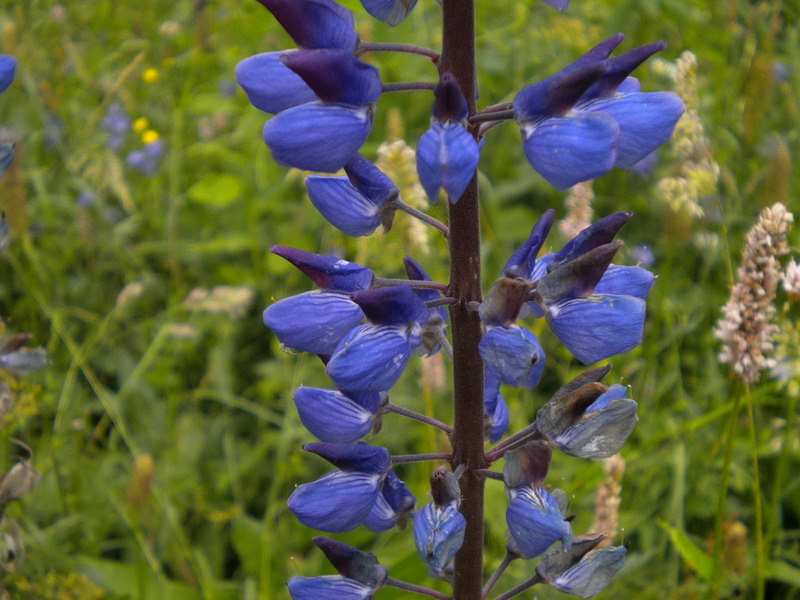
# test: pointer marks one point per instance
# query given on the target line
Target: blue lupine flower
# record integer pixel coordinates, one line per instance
(439, 535)
(535, 521)
(148, 159)
(495, 410)
(439, 527)
(116, 123)
(447, 154)
(596, 432)
(434, 326)
(342, 499)
(355, 204)
(372, 357)
(313, 24)
(313, 321)
(328, 587)
(8, 68)
(514, 354)
(392, 12)
(324, 135)
(557, 4)
(327, 272)
(590, 117)
(332, 416)
(393, 506)
(592, 574)
(595, 309)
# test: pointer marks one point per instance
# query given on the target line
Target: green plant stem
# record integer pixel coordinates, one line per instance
(404, 48)
(408, 458)
(496, 575)
(417, 589)
(410, 414)
(722, 496)
(408, 86)
(757, 508)
(520, 588)
(414, 283)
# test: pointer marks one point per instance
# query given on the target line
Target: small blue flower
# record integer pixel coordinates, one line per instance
(557, 4)
(447, 154)
(355, 204)
(592, 574)
(324, 135)
(342, 499)
(535, 521)
(597, 432)
(590, 117)
(8, 68)
(513, 354)
(332, 416)
(438, 535)
(392, 12)
(148, 159)
(116, 123)
(313, 321)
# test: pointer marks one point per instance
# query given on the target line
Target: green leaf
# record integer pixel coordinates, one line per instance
(784, 572)
(125, 578)
(217, 190)
(701, 563)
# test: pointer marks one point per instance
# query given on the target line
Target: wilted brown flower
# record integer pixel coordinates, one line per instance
(746, 328)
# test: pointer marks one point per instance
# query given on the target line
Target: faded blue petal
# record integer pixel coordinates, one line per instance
(630, 85)
(535, 521)
(313, 321)
(625, 281)
(24, 360)
(523, 262)
(336, 75)
(271, 86)
(6, 157)
(370, 358)
(601, 432)
(568, 150)
(328, 587)
(498, 420)
(598, 326)
(646, 120)
(615, 392)
(592, 574)
(392, 12)
(327, 272)
(438, 534)
(331, 416)
(315, 23)
(335, 502)
(393, 507)
(447, 156)
(317, 136)
(360, 457)
(513, 354)
(8, 67)
(342, 205)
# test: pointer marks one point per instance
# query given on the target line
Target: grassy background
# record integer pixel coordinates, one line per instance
(165, 431)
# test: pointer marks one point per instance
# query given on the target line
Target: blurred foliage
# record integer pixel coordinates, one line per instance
(164, 428)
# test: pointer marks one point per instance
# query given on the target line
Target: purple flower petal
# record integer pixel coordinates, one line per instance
(393, 305)
(556, 95)
(358, 457)
(270, 86)
(313, 321)
(447, 157)
(438, 534)
(328, 272)
(568, 150)
(336, 76)
(328, 587)
(8, 68)
(342, 205)
(592, 574)
(317, 136)
(523, 261)
(645, 120)
(335, 502)
(393, 507)
(315, 23)
(331, 416)
(625, 281)
(370, 358)
(535, 521)
(599, 326)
